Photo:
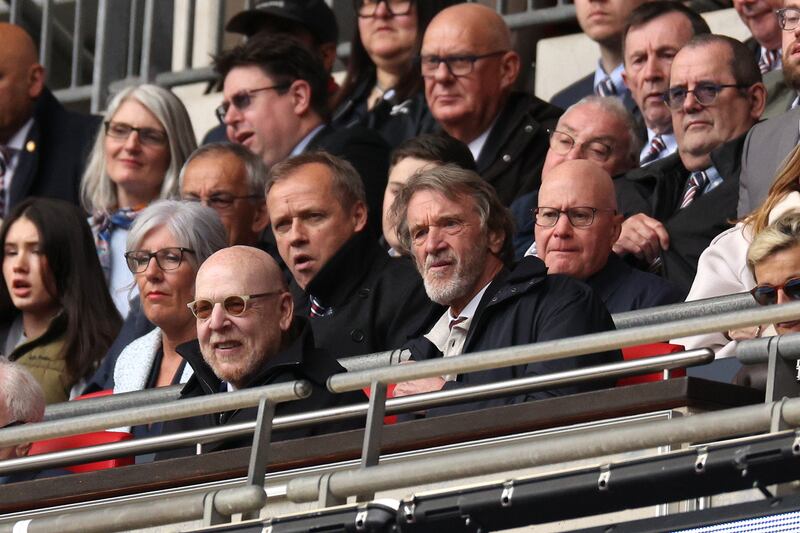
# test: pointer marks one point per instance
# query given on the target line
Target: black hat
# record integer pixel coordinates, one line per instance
(315, 15)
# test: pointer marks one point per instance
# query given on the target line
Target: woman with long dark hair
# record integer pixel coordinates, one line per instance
(383, 89)
(57, 316)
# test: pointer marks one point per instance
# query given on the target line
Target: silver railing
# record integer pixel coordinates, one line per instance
(36, 432)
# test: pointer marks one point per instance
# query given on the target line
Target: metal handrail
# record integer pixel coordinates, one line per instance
(562, 348)
(549, 450)
(102, 404)
(278, 393)
(754, 351)
(684, 310)
(393, 405)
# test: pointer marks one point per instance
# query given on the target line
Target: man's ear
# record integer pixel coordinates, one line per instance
(287, 310)
(758, 100)
(616, 227)
(300, 92)
(359, 216)
(35, 81)
(496, 241)
(509, 69)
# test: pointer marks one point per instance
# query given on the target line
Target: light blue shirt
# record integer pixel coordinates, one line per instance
(714, 179)
(669, 141)
(301, 146)
(616, 79)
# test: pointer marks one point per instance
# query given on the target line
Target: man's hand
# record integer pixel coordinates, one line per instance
(418, 386)
(643, 237)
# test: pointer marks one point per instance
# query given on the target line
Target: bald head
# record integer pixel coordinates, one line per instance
(466, 105)
(587, 225)
(21, 79)
(251, 313)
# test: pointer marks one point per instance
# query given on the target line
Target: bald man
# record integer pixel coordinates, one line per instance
(43, 146)
(577, 224)
(247, 336)
(470, 69)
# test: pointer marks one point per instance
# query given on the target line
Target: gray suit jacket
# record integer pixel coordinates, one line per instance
(766, 146)
(780, 95)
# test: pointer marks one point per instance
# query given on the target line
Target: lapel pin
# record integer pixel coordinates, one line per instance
(30, 146)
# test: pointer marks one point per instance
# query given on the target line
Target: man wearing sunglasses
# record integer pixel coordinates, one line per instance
(248, 336)
(470, 69)
(275, 104)
(675, 206)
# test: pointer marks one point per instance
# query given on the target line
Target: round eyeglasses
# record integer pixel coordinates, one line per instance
(234, 305)
(704, 93)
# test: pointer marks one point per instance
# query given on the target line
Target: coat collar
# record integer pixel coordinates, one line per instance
(345, 271)
(513, 113)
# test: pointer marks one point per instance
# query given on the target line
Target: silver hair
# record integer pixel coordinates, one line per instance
(781, 235)
(98, 192)
(613, 106)
(348, 186)
(20, 393)
(193, 226)
(253, 165)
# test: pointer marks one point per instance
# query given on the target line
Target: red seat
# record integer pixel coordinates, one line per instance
(87, 439)
(81, 441)
(650, 350)
(388, 419)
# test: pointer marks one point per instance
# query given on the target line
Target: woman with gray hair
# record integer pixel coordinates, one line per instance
(136, 159)
(166, 245)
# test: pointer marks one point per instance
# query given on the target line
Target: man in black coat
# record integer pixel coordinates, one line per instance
(675, 206)
(470, 68)
(275, 103)
(43, 146)
(459, 234)
(249, 337)
(358, 298)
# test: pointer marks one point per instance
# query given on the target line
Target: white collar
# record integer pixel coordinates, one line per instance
(18, 140)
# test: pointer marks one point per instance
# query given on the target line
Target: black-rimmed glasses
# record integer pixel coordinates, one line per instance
(234, 305)
(147, 136)
(704, 93)
(243, 99)
(368, 8)
(166, 258)
(457, 65)
(579, 217)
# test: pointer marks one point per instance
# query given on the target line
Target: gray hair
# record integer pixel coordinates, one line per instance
(254, 167)
(98, 192)
(613, 106)
(454, 182)
(20, 393)
(347, 183)
(781, 235)
(193, 226)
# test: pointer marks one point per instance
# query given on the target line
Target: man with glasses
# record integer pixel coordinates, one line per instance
(598, 129)
(470, 69)
(43, 146)
(248, 336)
(577, 225)
(769, 142)
(453, 224)
(275, 104)
(675, 206)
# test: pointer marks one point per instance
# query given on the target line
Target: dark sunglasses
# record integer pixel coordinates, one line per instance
(234, 305)
(768, 294)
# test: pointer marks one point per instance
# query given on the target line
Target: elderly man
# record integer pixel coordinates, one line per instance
(412, 156)
(603, 22)
(470, 69)
(654, 34)
(576, 226)
(598, 129)
(275, 104)
(247, 336)
(230, 179)
(678, 204)
(21, 402)
(769, 142)
(359, 300)
(42, 145)
(759, 17)
(457, 230)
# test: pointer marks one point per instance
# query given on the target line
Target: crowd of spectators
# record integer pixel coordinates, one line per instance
(430, 204)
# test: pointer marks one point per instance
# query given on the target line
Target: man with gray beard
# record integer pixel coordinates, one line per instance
(458, 232)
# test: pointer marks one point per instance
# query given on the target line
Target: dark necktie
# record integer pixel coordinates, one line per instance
(694, 187)
(656, 147)
(768, 60)
(606, 88)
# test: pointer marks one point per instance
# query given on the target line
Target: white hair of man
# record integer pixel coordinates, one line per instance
(21, 394)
